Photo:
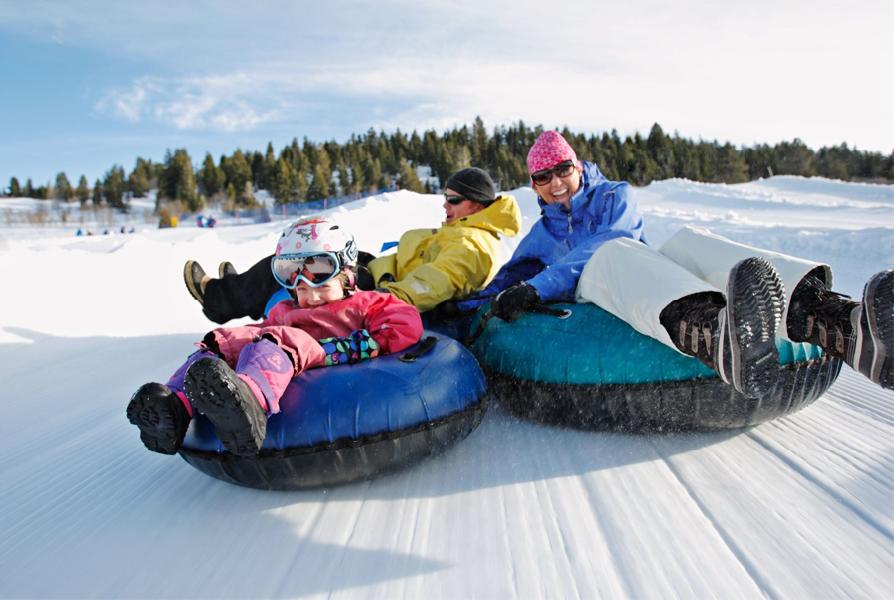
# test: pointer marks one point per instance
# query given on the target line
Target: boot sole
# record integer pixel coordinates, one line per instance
(191, 284)
(754, 312)
(157, 421)
(879, 304)
(214, 390)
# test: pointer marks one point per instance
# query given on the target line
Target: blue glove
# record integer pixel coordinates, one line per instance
(353, 348)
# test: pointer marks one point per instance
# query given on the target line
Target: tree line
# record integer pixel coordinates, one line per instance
(376, 160)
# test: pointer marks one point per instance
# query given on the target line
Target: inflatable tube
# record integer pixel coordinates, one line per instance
(345, 423)
(593, 371)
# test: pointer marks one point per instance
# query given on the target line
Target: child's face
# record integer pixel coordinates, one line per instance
(308, 297)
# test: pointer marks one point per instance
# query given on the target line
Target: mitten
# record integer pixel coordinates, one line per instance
(512, 302)
(353, 348)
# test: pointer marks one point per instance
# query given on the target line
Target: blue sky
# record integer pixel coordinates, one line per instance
(89, 84)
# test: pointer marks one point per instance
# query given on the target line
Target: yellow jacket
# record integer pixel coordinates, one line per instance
(435, 265)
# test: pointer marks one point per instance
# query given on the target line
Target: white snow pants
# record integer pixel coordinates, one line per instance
(635, 282)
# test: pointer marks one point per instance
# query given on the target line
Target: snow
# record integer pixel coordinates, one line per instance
(796, 508)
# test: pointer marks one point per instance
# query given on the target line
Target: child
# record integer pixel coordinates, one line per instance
(239, 374)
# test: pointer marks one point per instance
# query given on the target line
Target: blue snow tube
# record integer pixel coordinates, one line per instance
(351, 422)
(592, 370)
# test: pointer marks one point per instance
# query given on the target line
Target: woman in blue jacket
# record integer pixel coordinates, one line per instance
(700, 294)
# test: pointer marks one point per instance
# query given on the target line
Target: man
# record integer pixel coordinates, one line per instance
(430, 266)
(701, 294)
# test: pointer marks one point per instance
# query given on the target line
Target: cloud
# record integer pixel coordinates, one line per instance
(216, 103)
(736, 74)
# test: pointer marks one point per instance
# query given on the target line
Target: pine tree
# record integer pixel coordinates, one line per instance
(319, 184)
(661, 151)
(247, 197)
(729, 166)
(62, 190)
(268, 168)
(15, 190)
(138, 182)
(793, 158)
(371, 173)
(238, 171)
(283, 182)
(479, 143)
(97, 193)
(211, 178)
(114, 186)
(407, 178)
(28, 190)
(82, 193)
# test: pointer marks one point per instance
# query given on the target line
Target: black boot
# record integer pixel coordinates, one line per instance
(215, 390)
(862, 334)
(738, 339)
(195, 279)
(239, 294)
(161, 417)
(226, 269)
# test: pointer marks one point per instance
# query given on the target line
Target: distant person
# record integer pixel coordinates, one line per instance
(701, 294)
(239, 374)
(430, 266)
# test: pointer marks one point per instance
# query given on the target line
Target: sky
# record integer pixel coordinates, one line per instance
(89, 84)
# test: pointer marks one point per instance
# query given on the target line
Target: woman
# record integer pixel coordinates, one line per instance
(701, 294)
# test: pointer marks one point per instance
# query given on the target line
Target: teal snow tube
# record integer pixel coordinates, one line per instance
(592, 370)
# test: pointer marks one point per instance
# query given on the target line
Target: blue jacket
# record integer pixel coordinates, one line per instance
(553, 254)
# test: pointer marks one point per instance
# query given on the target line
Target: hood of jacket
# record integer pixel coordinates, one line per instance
(502, 217)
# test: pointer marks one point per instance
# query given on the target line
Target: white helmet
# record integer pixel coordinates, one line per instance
(312, 237)
(318, 235)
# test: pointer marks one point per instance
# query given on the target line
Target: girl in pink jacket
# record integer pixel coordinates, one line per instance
(239, 374)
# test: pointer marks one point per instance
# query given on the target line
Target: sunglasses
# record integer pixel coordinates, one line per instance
(314, 270)
(454, 200)
(563, 169)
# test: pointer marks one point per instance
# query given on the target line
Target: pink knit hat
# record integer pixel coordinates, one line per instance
(548, 150)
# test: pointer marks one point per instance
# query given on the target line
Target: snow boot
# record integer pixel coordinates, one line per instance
(196, 280)
(161, 417)
(239, 295)
(214, 389)
(862, 334)
(226, 269)
(738, 339)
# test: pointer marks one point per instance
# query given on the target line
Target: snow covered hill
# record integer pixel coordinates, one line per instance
(796, 508)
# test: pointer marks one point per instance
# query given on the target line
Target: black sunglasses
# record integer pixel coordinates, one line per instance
(454, 200)
(563, 169)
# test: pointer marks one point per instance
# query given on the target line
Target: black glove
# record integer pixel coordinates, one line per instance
(512, 302)
(445, 311)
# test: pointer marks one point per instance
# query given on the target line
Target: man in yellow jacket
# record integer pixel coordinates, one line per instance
(430, 266)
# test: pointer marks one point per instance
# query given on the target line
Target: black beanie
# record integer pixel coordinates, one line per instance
(473, 184)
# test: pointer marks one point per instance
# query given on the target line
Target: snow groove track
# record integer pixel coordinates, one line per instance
(765, 587)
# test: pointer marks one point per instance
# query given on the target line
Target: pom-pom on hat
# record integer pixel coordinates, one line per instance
(473, 184)
(548, 150)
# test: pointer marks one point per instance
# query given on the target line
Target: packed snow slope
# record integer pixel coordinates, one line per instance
(796, 508)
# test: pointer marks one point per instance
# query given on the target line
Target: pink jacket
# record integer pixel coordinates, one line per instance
(394, 324)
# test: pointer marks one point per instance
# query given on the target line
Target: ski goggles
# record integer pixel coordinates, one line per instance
(314, 269)
(544, 176)
(453, 200)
